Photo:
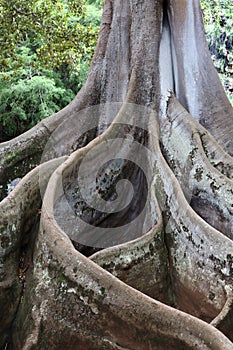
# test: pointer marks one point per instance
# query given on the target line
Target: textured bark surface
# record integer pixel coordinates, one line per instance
(158, 272)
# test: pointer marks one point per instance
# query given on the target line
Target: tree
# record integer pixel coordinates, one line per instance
(218, 17)
(38, 22)
(30, 96)
(39, 55)
(159, 265)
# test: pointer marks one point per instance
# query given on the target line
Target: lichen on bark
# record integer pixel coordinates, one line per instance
(165, 279)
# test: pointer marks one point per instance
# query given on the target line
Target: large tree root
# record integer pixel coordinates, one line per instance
(19, 214)
(158, 270)
(86, 307)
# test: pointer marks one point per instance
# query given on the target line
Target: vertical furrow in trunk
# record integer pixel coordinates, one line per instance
(166, 64)
(197, 85)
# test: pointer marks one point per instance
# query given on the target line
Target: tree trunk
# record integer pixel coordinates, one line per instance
(120, 237)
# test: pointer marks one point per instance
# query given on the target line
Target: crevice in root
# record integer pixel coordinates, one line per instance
(217, 157)
(7, 346)
(105, 175)
(25, 265)
(84, 249)
(224, 319)
(13, 174)
(117, 346)
(167, 244)
(210, 212)
(27, 247)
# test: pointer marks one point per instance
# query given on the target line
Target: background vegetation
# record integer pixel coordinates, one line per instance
(218, 19)
(46, 49)
(43, 64)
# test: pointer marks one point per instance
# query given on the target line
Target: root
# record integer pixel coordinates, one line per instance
(17, 213)
(223, 321)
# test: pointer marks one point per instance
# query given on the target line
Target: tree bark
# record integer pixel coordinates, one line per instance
(120, 237)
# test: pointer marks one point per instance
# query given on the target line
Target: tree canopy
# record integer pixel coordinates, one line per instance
(44, 59)
(218, 19)
(55, 29)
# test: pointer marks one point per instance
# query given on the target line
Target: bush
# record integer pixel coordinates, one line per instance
(30, 92)
(24, 104)
(218, 19)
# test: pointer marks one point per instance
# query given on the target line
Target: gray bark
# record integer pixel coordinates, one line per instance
(158, 271)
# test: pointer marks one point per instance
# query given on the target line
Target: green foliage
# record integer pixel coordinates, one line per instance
(29, 96)
(53, 27)
(93, 16)
(46, 48)
(26, 103)
(97, 3)
(218, 19)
